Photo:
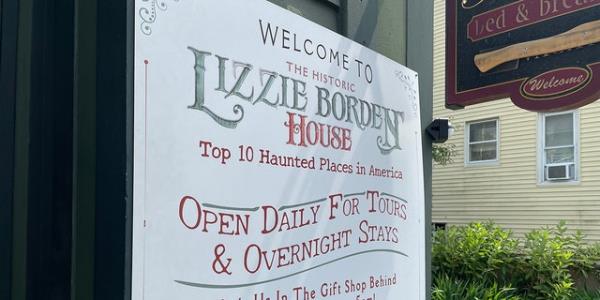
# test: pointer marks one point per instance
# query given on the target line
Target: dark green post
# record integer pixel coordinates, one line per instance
(419, 57)
(103, 136)
(8, 54)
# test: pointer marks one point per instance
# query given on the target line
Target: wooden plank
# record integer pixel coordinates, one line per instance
(581, 35)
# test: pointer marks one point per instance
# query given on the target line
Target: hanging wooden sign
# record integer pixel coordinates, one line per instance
(543, 54)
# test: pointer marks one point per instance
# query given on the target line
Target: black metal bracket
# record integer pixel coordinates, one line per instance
(439, 130)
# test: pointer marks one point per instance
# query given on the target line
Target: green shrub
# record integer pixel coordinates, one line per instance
(479, 251)
(447, 288)
(584, 295)
(474, 261)
(586, 259)
(548, 254)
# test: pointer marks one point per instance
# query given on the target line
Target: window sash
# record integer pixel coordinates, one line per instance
(572, 153)
(559, 147)
(482, 151)
(556, 132)
(483, 127)
(471, 143)
(482, 142)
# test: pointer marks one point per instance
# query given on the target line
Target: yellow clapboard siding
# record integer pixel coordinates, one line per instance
(449, 197)
(525, 227)
(581, 210)
(529, 213)
(508, 191)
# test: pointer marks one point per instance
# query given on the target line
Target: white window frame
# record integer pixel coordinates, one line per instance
(467, 151)
(541, 153)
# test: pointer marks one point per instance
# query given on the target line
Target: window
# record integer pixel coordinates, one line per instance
(558, 147)
(482, 141)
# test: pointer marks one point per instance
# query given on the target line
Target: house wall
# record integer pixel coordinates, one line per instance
(508, 192)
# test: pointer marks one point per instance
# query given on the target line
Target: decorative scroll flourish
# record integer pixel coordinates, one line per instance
(296, 128)
(241, 285)
(385, 148)
(227, 123)
(149, 13)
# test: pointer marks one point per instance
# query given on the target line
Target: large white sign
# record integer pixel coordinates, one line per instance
(274, 159)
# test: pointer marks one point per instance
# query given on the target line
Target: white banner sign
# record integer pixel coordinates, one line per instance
(273, 159)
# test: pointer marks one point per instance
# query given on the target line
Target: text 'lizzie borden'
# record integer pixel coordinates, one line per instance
(291, 94)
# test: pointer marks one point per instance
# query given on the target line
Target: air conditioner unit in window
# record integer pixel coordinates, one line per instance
(558, 172)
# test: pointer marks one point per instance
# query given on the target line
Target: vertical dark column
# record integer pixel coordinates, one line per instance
(114, 118)
(50, 151)
(8, 55)
(420, 58)
(84, 147)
